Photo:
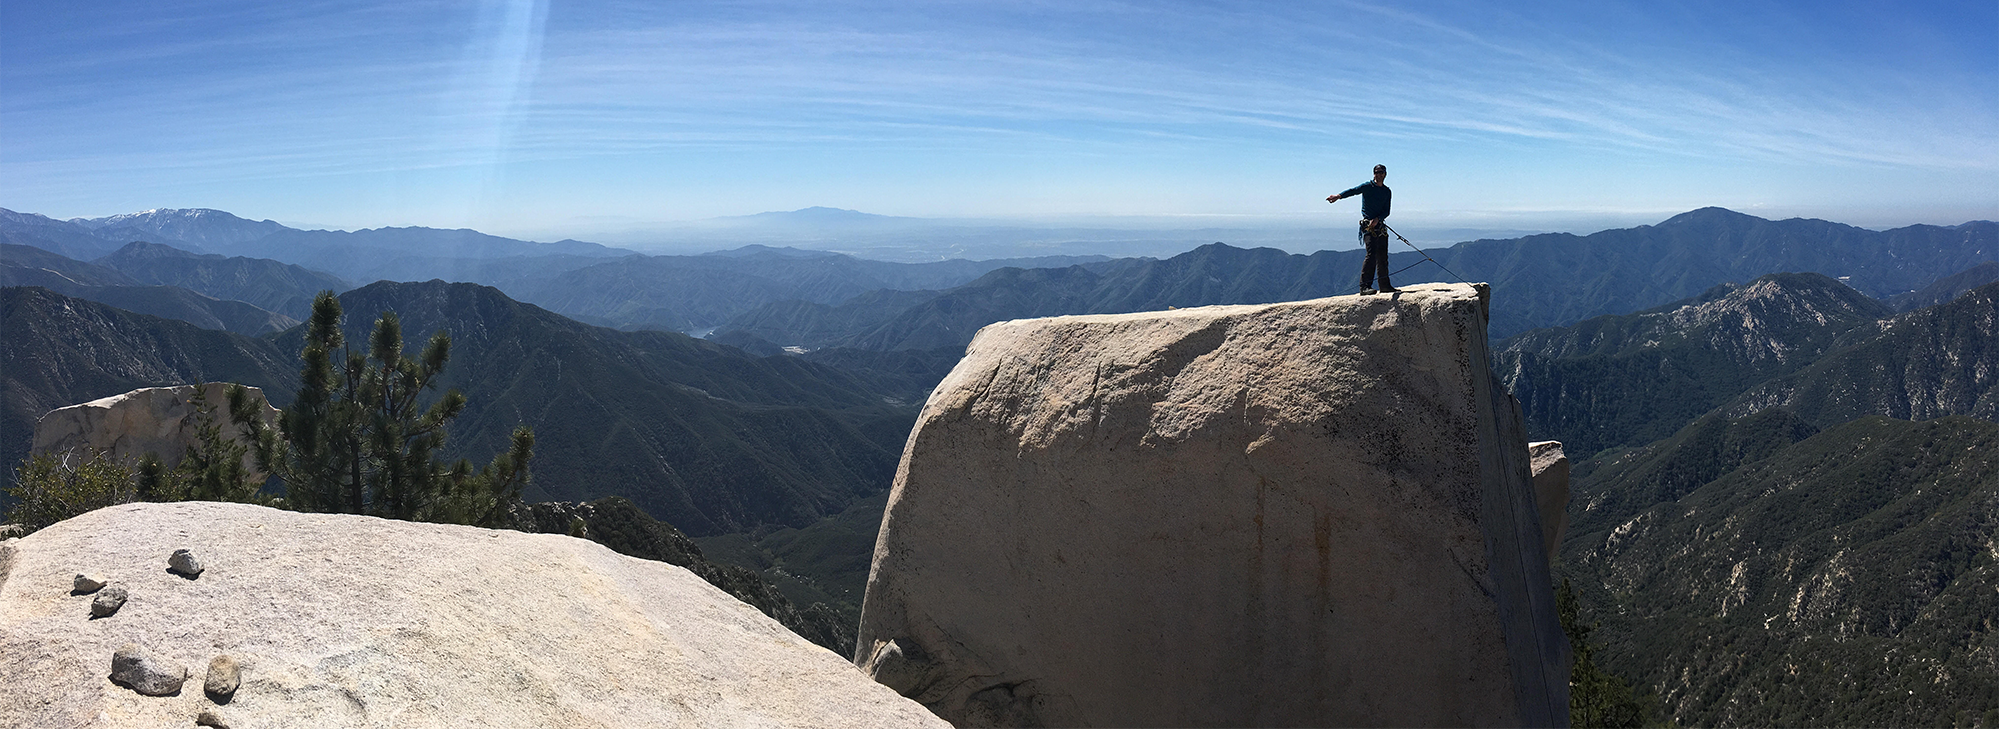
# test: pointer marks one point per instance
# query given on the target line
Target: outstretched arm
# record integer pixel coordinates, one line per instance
(1355, 190)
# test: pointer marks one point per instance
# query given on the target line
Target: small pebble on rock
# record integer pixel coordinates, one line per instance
(86, 583)
(209, 717)
(224, 675)
(108, 601)
(132, 668)
(183, 563)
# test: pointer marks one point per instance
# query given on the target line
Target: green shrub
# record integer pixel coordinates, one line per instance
(49, 488)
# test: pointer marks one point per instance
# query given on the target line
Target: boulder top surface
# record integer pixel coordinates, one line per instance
(354, 621)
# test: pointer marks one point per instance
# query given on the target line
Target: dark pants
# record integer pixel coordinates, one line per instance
(1376, 263)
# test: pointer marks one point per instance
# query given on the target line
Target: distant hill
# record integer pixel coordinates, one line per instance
(1842, 580)
(33, 266)
(272, 285)
(30, 266)
(1558, 279)
(200, 228)
(1947, 288)
(702, 436)
(682, 293)
(1636, 378)
(363, 255)
(56, 236)
(1928, 363)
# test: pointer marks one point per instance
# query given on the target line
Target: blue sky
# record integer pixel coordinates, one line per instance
(549, 118)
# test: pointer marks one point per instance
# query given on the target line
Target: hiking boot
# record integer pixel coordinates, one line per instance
(1367, 292)
(1387, 290)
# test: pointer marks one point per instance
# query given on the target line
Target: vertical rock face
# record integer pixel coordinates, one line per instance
(1306, 514)
(154, 419)
(1551, 490)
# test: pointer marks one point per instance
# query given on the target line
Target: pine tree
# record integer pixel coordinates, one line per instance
(211, 469)
(1596, 697)
(356, 440)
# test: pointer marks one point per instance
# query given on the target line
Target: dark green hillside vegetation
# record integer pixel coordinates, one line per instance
(823, 563)
(816, 326)
(1948, 287)
(22, 265)
(1632, 379)
(1210, 274)
(904, 376)
(703, 436)
(28, 266)
(1928, 363)
(1843, 580)
(268, 284)
(1612, 487)
(617, 523)
(680, 293)
(57, 351)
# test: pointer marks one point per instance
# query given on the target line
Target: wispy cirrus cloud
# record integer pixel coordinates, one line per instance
(222, 93)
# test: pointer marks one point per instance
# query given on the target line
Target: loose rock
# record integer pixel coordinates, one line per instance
(85, 584)
(224, 675)
(108, 601)
(184, 563)
(132, 668)
(209, 717)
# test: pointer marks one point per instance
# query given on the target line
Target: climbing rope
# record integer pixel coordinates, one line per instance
(1424, 254)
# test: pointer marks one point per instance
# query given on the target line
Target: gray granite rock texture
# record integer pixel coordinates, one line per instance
(1315, 513)
(157, 420)
(352, 621)
(1551, 487)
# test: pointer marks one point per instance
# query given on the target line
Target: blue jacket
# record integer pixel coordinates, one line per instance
(1373, 199)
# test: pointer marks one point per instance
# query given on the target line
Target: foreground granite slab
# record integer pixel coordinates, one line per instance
(1305, 514)
(351, 621)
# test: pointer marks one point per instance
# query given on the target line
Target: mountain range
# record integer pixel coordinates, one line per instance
(361, 255)
(1759, 541)
(1792, 543)
(1539, 281)
(1842, 580)
(793, 298)
(704, 436)
(1636, 378)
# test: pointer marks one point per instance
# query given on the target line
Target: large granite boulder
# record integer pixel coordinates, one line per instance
(1315, 513)
(158, 420)
(353, 621)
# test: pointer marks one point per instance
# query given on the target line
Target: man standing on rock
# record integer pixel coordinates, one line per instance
(1373, 229)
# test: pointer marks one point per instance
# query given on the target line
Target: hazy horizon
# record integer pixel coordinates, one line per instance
(917, 239)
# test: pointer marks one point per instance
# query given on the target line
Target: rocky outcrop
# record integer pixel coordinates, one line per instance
(160, 420)
(350, 621)
(1314, 513)
(1551, 490)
